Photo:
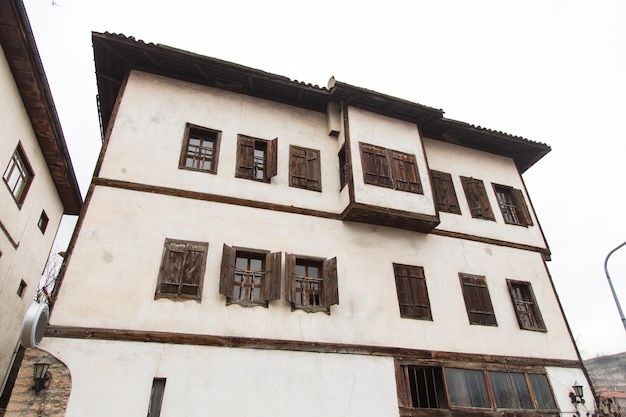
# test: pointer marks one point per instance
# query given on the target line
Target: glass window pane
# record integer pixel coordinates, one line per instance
(256, 265)
(467, 388)
(510, 390)
(300, 270)
(241, 263)
(541, 389)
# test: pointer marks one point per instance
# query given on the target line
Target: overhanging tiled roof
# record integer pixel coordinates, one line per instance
(21, 53)
(115, 55)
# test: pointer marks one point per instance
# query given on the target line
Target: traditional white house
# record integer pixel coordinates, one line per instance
(38, 182)
(253, 245)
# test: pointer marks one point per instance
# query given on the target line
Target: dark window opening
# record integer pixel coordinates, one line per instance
(200, 149)
(43, 222)
(512, 205)
(343, 168)
(156, 397)
(21, 288)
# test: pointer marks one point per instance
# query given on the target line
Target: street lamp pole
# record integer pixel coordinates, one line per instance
(606, 271)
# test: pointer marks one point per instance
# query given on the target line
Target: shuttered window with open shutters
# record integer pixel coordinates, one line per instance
(311, 283)
(257, 159)
(512, 205)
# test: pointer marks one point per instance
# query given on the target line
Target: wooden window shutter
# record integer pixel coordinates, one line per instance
(271, 158)
(227, 273)
(172, 267)
(523, 214)
(376, 169)
(193, 270)
(245, 157)
(445, 194)
(290, 268)
(405, 174)
(313, 170)
(271, 286)
(477, 198)
(412, 292)
(297, 167)
(330, 286)
(477, 300)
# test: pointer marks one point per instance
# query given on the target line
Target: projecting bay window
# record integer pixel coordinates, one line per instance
(445, 195)
(489, 392)
(390, 169)
(526, 309)
(304, 168)
(412, 292)
(311, 283)
(200, 149)
(512, 205)
(477, 300)
(182, 270)
(256, 158)
(18, 175)
(250, 277)
(477, 199)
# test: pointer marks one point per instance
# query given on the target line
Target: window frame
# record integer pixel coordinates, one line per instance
(477, 299)
(270, 283)
(204, 134)
(418, 299)
(515, 211)
(181, 246)
(477, 198)
(43, 221)
(18, 161)
(389, 168)
(536, 319)
(343, 167)
(445, 193)
(246, 167)
(311, 178)
(329, 292)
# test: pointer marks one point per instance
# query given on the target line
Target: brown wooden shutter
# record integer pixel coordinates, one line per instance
(297, 167)
(172, 267)
(245, 157)
(405, 174)
(271, 158)
(290, 268)
(227, 273)
(313, 171)
(477, 300)
(445, 194)
(330, 286)
(271, 286)
(193, 269)
(412, 292)
(523, 214)
(477, 198)
(376, 169)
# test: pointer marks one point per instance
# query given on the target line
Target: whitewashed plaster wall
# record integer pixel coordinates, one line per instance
(28, 260)
(230, 382)
(375, 129)
(460, 161)
(112, 275)
(147, 138)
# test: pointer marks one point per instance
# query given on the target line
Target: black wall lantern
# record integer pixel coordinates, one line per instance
(577, 395)
(41, 374)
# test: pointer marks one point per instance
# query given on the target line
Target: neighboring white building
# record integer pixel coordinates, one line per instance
(253, 245)
(38, 183)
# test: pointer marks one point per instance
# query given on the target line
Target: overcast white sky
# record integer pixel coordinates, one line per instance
(550, 71)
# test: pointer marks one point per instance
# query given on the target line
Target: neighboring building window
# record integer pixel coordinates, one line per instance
(256, 158)
(200, 149)
(428, 386)
(477, 300)
(21, 288)
(43, 222)
(477, 198)
(304, 168)
(467, 388)
(18, 175)
(421, 387)
(311, 283)
(343, 167)
(250, 277)
(526, 309)
(412, 292)
(182, 270)
(389, 168)
(512, 205)
(445, 195)
(156, 397)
